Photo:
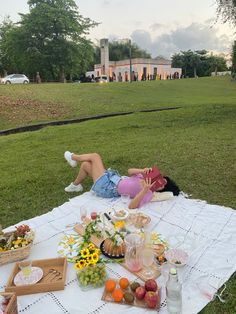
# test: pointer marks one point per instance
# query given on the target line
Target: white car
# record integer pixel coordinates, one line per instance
(101, 79)
(15, 79)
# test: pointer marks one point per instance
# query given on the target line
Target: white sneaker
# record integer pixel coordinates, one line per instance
(74, 188)
(68, 158)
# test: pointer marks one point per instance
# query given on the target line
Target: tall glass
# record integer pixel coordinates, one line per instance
(83, 215)
(148, 259)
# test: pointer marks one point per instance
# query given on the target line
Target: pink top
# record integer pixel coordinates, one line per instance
(132, 186)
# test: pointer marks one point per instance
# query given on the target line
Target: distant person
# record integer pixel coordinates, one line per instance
(38, 78)
(108, 183)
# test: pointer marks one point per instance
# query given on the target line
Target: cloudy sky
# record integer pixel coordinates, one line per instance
(162, 27)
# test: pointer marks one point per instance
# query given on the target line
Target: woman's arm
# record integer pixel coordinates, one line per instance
(133, 171)
(135, 202)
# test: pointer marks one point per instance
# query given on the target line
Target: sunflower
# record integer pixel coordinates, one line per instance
(84, 253)
(89, 258)
(91, 246)
(82, 263)
(95, 258)
(77, 266)
(119, 225)
(97, 251)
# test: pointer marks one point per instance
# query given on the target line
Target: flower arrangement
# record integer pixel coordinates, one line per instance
(117, 234)
(19, 238)
(92, 229)
(88, 255)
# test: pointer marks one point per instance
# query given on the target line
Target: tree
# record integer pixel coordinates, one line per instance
(198, 63)
(51, 39)
(226, 9)
(121, 51)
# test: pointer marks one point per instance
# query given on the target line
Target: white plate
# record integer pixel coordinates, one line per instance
(123, 214)
(34, 277)
(174, 255)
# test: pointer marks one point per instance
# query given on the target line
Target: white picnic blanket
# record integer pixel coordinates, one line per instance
(207, 232)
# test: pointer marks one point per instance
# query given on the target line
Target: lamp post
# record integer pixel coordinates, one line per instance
(130, 62)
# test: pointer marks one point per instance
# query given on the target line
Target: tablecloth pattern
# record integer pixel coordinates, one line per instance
(206, 232)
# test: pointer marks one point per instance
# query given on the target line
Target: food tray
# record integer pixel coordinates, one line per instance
(138, 303)
(12, 305)
(49, 281)
(98, 241)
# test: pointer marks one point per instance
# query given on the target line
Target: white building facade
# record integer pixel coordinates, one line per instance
(138, 68)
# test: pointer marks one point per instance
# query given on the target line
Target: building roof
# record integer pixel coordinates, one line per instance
(157, 61)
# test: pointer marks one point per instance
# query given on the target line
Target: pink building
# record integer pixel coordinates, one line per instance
(141, 68)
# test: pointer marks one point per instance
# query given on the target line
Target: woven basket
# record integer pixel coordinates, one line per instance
(12, 305)
(16, 254)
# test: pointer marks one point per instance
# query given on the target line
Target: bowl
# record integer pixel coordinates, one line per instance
(176, 257)
(119, 214)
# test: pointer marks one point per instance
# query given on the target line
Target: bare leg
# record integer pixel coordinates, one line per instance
(92, 166)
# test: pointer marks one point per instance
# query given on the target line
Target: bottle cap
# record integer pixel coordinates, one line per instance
(173, 271)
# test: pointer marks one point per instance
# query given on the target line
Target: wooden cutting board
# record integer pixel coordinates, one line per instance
(97, 241)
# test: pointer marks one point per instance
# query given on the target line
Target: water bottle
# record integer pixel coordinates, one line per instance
(173, 293)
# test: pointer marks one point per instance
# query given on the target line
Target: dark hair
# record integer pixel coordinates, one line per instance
(171, 186)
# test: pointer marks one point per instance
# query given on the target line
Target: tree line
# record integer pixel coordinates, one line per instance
(198, 63)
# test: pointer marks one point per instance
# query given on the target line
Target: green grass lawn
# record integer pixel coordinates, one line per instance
(195, 144)
(27, 104)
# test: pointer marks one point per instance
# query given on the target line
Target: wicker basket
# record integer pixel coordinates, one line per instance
(12, 305)
(16, 254)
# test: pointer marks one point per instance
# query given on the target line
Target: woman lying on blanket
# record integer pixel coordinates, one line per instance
(109, 184)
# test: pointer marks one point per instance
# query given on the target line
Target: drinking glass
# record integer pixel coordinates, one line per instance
(83, 215)
(125, 200)
(25, 267)
(148, 259)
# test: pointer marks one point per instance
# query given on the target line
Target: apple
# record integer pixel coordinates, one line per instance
(140, 293)
(151, 299)
(151, 285)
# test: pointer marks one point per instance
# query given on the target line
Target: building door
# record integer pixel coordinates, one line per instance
(144, 76)
(155, 73)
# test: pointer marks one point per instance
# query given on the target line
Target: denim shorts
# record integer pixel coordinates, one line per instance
(106, 185)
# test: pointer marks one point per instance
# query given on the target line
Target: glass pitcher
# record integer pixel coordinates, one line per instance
(133, 253)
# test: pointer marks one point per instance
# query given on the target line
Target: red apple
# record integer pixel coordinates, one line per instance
(151, 299)
(140, 293)
(151, 285)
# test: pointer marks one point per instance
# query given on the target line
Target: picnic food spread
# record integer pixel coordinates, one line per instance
(114, 241)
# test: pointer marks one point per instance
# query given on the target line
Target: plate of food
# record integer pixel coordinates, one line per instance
(119, 214)
(139, 220)
(176, 257)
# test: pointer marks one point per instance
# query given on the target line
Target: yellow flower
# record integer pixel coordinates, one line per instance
(71, 240)
(82, 263)
(84, 253)
(89, 258)
(119, 224)
(91, 246)
(93, 261)
(89, 262)
(77, 266)
(95, 258)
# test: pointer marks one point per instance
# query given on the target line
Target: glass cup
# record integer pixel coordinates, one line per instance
(148, 259)
(26, 267)
(83, 215)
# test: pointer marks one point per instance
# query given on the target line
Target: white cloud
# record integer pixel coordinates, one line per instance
(195, 36)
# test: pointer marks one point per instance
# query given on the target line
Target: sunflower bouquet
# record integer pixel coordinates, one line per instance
(90, 267)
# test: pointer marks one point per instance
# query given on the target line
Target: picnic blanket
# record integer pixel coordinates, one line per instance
(206, 232)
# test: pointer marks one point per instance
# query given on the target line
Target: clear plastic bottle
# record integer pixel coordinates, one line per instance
(173, 293)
